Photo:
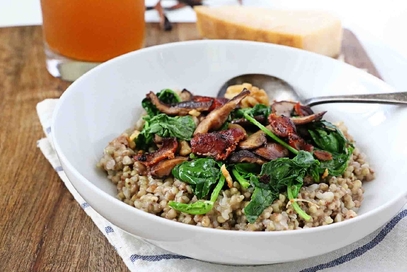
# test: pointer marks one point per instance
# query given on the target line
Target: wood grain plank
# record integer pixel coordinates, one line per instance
(41, 227)
(355, 54)
(179, 32)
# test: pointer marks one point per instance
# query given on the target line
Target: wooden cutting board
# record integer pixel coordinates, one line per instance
(353, 52)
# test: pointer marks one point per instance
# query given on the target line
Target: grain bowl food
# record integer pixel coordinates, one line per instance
(237, 163)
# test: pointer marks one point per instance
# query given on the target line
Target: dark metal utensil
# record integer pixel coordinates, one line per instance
(278, 89)
(165, 23)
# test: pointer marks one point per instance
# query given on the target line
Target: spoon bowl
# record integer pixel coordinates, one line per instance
(279, 90)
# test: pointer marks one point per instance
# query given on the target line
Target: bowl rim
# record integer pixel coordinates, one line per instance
(71, 90)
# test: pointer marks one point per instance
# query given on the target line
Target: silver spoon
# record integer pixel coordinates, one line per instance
(278, 90)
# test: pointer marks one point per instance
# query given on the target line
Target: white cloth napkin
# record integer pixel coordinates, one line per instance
(383, 250)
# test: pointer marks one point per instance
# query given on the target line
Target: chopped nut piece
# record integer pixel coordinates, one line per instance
(326, 173)
(134, 135)
(257, 96)
(194, 112)
(227, 176)
(185, 149)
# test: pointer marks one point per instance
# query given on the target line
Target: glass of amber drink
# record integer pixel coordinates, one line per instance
(80, 34)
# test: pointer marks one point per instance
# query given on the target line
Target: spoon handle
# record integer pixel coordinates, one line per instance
(382, 98)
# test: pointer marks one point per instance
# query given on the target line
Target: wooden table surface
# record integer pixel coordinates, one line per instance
(42, 228)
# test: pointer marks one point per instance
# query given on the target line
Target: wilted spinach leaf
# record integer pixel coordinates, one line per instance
(306, 160)
(257, 110)
(283, 170)
(166, 96)
(201, 206)
(262, 197)
(144, 139)
(327, 136)
(277, 176)
(243, 172)
(181, 127)
(200, 173)
(338, 164)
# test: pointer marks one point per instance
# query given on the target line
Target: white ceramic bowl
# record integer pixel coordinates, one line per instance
(106, 101)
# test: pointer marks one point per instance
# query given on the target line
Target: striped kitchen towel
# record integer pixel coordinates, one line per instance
(383, 250)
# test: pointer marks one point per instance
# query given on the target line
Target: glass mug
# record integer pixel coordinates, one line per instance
(80, 34)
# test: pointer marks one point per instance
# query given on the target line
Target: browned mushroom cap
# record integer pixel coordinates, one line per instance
(186, 95)
(215, 119)
(166, 151)
(287, 108)
(272, 151)
(323, 155)
(164, 168)
(308, 119)
(181, 108)
(244, 122)
(283, 108)
(231, 125)
(245, 156)
(281, 125)
(302, 110)
(299, 143)
(255, 140)
(217, 144)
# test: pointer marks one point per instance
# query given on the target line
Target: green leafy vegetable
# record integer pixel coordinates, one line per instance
(290, 194)
(284, 170)
(144, 139)
(200, 173)
(262, 197)
(306, 160)
(338, 164)
(242, 181)
(243, 172)
(327, 136)
(278, 175)
(257, 110)
(166, 96)
(201, 206)
(181, 127)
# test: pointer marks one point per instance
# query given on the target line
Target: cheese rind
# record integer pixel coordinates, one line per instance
(316, 31)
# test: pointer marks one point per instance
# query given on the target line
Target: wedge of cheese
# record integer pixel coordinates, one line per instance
(315, 31)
